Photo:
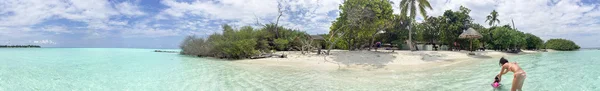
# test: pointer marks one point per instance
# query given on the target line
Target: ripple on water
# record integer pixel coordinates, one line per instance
(142, 69)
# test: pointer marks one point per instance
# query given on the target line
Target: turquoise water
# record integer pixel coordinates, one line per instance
(83, 69)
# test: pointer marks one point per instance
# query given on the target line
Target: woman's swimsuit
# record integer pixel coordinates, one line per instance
(520, 76)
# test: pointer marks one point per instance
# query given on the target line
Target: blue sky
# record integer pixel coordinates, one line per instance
(163, 23)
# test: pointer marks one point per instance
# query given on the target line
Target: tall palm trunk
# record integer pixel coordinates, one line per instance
(410, 44)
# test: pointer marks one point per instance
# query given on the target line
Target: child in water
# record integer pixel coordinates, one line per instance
(496, 83)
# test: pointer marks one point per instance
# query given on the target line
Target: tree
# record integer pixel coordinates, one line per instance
(280, 11)
(383, 19)
(192, 45)
(561, 44)
(533, 42)
(506, 38)
(518, 39)
(502, 37)
(244, 42)
(454, 24)
(359, 21)
(396, 34)
(485, 33)
(405, 5)
(492, 18)
(429, 30)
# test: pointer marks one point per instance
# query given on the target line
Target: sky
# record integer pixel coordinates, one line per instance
(164, 23)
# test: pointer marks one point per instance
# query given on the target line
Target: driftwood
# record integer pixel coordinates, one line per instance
(166, 51)
(266, 55)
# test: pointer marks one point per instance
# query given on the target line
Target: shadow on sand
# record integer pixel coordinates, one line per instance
(480, 54)
(367, 60)
(370, 60)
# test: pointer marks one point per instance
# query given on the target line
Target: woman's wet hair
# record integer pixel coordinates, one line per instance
(503, 61)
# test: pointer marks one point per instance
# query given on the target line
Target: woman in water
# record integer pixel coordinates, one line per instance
(519, 74)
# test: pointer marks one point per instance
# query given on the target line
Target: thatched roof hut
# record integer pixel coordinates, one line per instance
(470, 34)
(316, 37)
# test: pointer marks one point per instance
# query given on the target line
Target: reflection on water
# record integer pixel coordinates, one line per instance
(142, 69)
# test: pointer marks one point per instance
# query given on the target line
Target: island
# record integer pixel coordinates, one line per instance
(20, 46)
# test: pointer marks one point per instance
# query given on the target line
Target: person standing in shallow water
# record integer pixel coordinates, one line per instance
(519, 74)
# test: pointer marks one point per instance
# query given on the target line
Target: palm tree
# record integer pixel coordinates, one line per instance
(405, 5)
(493, 18)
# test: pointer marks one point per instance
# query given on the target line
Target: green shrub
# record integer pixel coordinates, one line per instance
(281, 44)
(507, 38)
(533, 42)
(263, 45)
(195, 46)
(237, 49)
(235, 44)
(561, 44)
(398, 43)
(243, 42)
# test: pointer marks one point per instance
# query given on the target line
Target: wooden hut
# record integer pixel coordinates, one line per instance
(318, 40)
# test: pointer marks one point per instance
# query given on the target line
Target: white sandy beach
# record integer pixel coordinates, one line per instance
(382, 60)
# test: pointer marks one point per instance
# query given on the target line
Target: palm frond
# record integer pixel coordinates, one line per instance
(425, 3)
(423, 11)
(404, 7)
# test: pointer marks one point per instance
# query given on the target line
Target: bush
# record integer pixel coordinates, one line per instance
(533, 42)
(502, 37)
(235, 44)
(241, 43)
(293, 37)
(195, 46)
(561, 44)
(281, 44)
(398, 43)
(507, 38)
(237, 49)
(263, 45)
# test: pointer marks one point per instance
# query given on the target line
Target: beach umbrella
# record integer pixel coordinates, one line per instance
(470, 34)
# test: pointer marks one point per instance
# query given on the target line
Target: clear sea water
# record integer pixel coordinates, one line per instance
(83, 69)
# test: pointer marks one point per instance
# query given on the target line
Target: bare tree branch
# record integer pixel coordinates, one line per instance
(257, 21)
(280, 11)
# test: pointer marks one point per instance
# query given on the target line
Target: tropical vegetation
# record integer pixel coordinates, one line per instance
(244, 42)
(561, 44)
(361, 23)
(410, 7)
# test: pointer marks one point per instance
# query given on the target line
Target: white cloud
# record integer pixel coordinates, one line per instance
(14, 33)
(129, 9)
(43, 42)
(150, 32)
(25, 13)
(242, 11)
(56, 29)
(102, 18)
(309, 15)
(118, 23)
(95, 13)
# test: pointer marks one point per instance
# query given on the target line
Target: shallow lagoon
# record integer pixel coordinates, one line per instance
(141, 69)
